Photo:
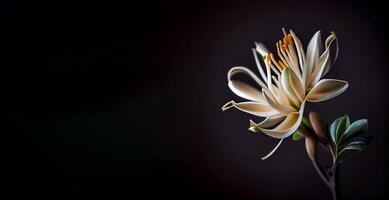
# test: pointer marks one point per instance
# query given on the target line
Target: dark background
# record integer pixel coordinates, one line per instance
(124, 98)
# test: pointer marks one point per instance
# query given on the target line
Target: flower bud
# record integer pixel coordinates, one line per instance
(311, 147)
(318, 127)
(304, 132)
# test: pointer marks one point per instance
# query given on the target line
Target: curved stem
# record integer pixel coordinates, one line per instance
(320, 171)
(331, 176)
(331, 179)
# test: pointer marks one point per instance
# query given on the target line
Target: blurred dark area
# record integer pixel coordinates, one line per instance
(124, 98)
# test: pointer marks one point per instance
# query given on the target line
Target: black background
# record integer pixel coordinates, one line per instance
(124, 98)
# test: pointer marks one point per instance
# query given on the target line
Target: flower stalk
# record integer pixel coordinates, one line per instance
(318, 135)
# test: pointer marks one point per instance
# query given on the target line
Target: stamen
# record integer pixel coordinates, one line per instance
(290, 39)
(286, 58)
(279, 47)
(268, 72)
(271, 65)
(283, 30)
(281, 64)
(285, 41)
(275, 62)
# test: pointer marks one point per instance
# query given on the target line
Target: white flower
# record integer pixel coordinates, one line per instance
(287, 83)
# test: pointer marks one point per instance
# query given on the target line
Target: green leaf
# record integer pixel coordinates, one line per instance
(338, 127)
(348, 150)
(342, 126)
(359, 142)
(333, 129)
(362, 140)
(297, 136)
(348, 121)
(356, 129)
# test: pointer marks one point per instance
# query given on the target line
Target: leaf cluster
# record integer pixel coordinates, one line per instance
(348, 138)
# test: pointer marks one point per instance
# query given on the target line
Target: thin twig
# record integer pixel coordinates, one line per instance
(320, 171)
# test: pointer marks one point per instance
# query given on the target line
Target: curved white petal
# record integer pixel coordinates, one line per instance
(245, 90)
(283, 96)
(272, 151)
(269, 122)
(312, 58)
(285, 128)
(294, 59)
(297, 85)
(299, 49)
(293, 86)
(324, 61)
(254, 108)
(259, 66)
(275, 104)
(326, 89)
(330, 39)
(318, 70)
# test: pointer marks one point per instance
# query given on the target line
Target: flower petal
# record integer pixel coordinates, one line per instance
(254, 108)
(245, 90)
(272, 151)
(330, 39)
(324, 61)
(326, 89)
(312, 58)
(318, 70)
(283, 97)
(269, 122)
(299, 49)
(285, 128)
(260, 69)
(275, 104)
(293, 86)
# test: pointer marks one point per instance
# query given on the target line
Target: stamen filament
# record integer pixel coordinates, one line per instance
(279, 53)
(271, 65)
(285, 56)
(276, 63)
(283, 30)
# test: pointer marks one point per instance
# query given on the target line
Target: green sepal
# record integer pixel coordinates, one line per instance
(305, 122)
(297, 136)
